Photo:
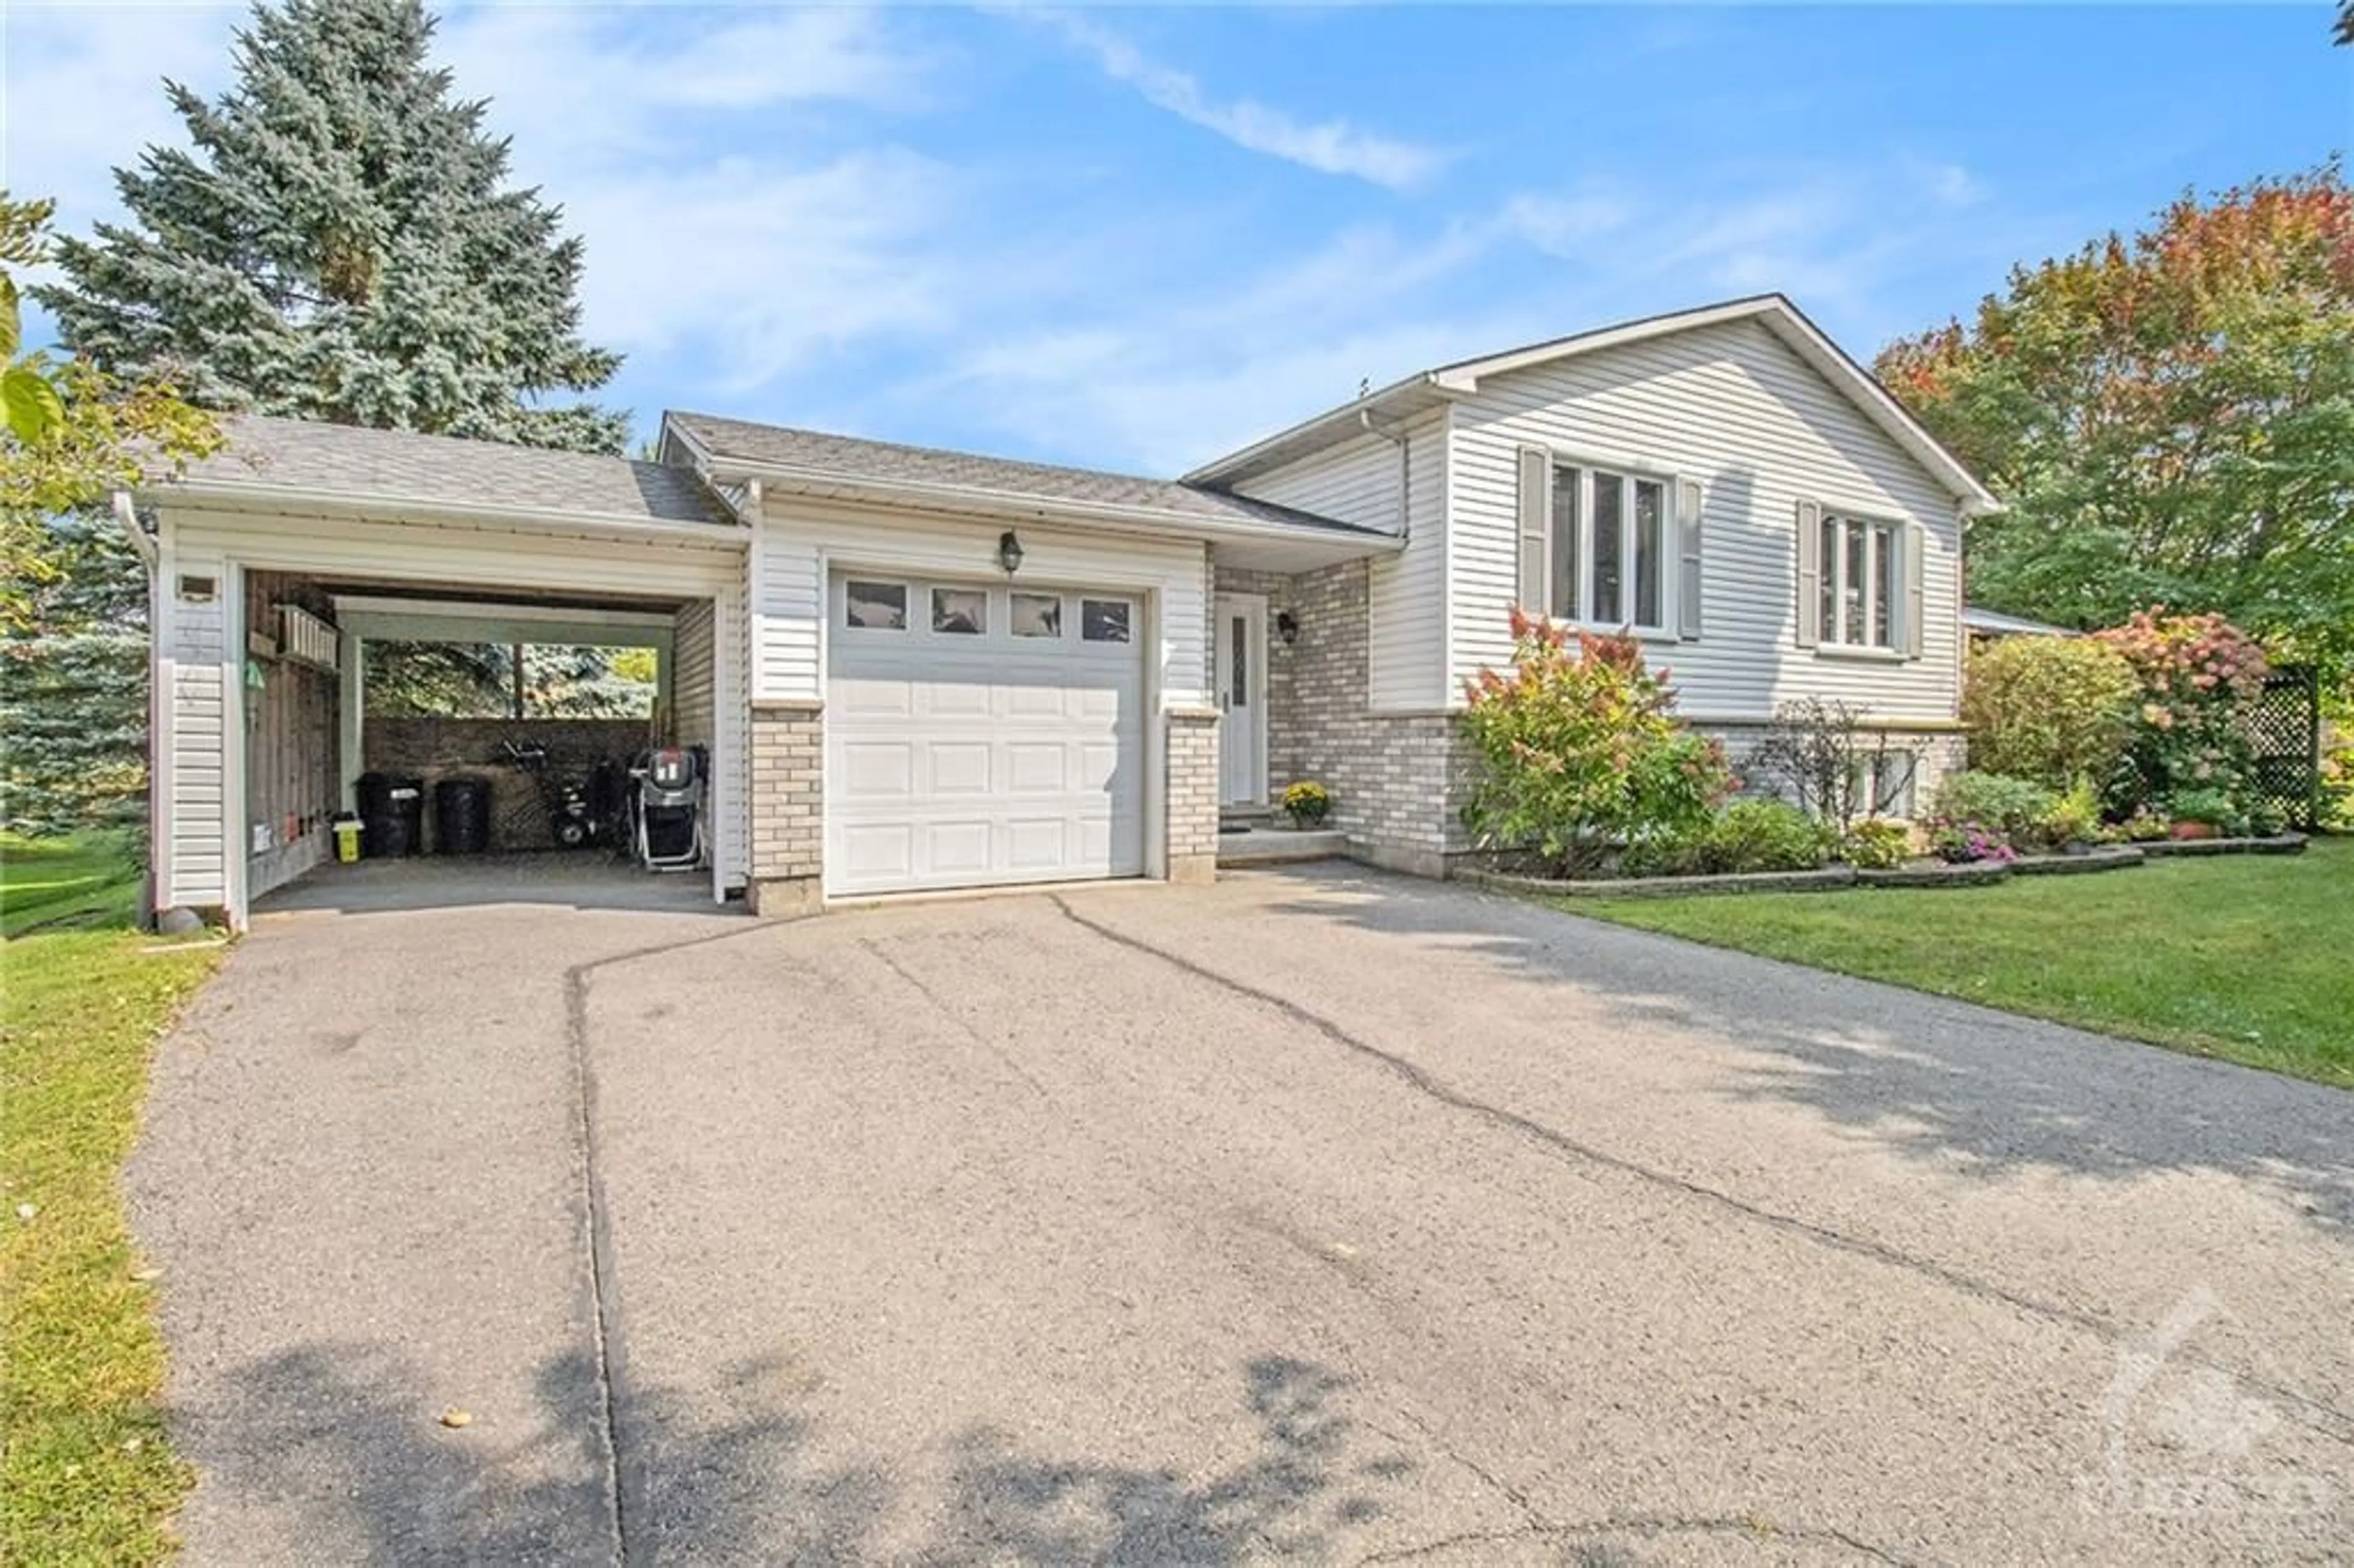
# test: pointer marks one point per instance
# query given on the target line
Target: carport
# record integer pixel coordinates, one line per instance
(274, 572)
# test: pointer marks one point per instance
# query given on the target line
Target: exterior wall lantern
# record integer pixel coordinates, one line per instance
(1009, 552)
(1286, 626)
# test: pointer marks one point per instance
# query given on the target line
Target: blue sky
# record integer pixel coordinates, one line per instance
(1134, 238)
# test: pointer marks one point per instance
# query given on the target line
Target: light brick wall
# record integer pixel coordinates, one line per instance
(1390, 775)
(787, 788)
(1193, 795)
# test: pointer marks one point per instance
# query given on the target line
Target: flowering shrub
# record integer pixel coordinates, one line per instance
(1579, 751)
(1308, 802)
(1876, 844)
(1961, 844)
(2183, 733)
(2052, 709)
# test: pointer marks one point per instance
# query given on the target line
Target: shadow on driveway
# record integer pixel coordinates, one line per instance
(1929, 1077)
(750, 1489)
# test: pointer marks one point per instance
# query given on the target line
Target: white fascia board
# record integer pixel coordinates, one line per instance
(1321, 429)
(1786, 322)
(1466, 375)
(288, 501)
(1007, 506)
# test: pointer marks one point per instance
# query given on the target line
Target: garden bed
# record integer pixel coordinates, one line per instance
(1824, 880)
(2279, 844)
(1914, 873)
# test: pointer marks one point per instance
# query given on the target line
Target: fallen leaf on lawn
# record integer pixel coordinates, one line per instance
(145, 1276)
(453, 1416)
(25, 1211)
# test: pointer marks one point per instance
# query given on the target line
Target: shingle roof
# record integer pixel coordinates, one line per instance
(306, 458)
(887, 462)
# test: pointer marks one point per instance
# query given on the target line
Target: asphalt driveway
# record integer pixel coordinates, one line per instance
(1315, 1213)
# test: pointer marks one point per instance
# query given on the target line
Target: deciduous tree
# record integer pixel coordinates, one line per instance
(2169, 416)
(69, 432)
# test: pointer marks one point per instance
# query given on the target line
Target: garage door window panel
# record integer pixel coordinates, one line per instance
(874, 606)
(1037, 615)
(1105, 619)
(960, 612)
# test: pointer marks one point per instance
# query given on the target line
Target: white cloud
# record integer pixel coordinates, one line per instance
(1330, 146)
(749, 271)
(1164, 383)
(83, 91)
(1564, 225)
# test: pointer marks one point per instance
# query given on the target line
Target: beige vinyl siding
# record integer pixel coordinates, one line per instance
(1731, 407)
(801, 542)
(1357, 481)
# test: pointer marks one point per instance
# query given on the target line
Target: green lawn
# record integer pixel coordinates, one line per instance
(2249, 958)
(86, 1474)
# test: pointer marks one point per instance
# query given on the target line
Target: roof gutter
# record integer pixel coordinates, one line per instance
(261, 497)
(1013, 507)
(1332, 420)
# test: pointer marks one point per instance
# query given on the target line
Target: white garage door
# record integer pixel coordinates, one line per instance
(980, 733)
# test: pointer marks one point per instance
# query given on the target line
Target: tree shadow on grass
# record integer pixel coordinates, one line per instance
(327, 1440)
(1941, 1080)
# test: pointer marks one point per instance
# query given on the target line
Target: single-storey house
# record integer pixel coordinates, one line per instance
(916, 669)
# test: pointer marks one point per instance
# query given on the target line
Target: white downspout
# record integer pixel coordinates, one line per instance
(126, 515)
(1406, 472)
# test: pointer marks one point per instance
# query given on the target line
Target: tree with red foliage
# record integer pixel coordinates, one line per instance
(2169, 416)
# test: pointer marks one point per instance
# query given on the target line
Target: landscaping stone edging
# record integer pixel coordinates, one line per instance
(2281, 843)
(1829, 876)
(2104, 857)
(1971, 874)
(1936, 873)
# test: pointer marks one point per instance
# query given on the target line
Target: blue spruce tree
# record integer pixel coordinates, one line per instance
(340, 242)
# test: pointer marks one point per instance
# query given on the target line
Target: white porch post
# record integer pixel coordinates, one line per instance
(351, 662)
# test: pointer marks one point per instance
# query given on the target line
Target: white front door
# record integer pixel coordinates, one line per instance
(980, 732)
(1242, 699)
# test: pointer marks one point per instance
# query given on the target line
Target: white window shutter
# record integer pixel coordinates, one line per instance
(1810, 572)
(1691, 500)
(1535, 522)
(1916, 564)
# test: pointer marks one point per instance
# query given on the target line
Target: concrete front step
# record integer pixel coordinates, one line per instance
(1274, 845)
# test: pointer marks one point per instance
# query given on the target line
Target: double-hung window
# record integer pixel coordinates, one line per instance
(1608, 549)
(1861, 574)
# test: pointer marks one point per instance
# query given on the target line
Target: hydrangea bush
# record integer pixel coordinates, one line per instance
(2183, 734)
(1579, 752)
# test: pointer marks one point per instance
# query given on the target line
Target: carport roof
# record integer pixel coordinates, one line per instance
(816, 463)
(265, 458)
